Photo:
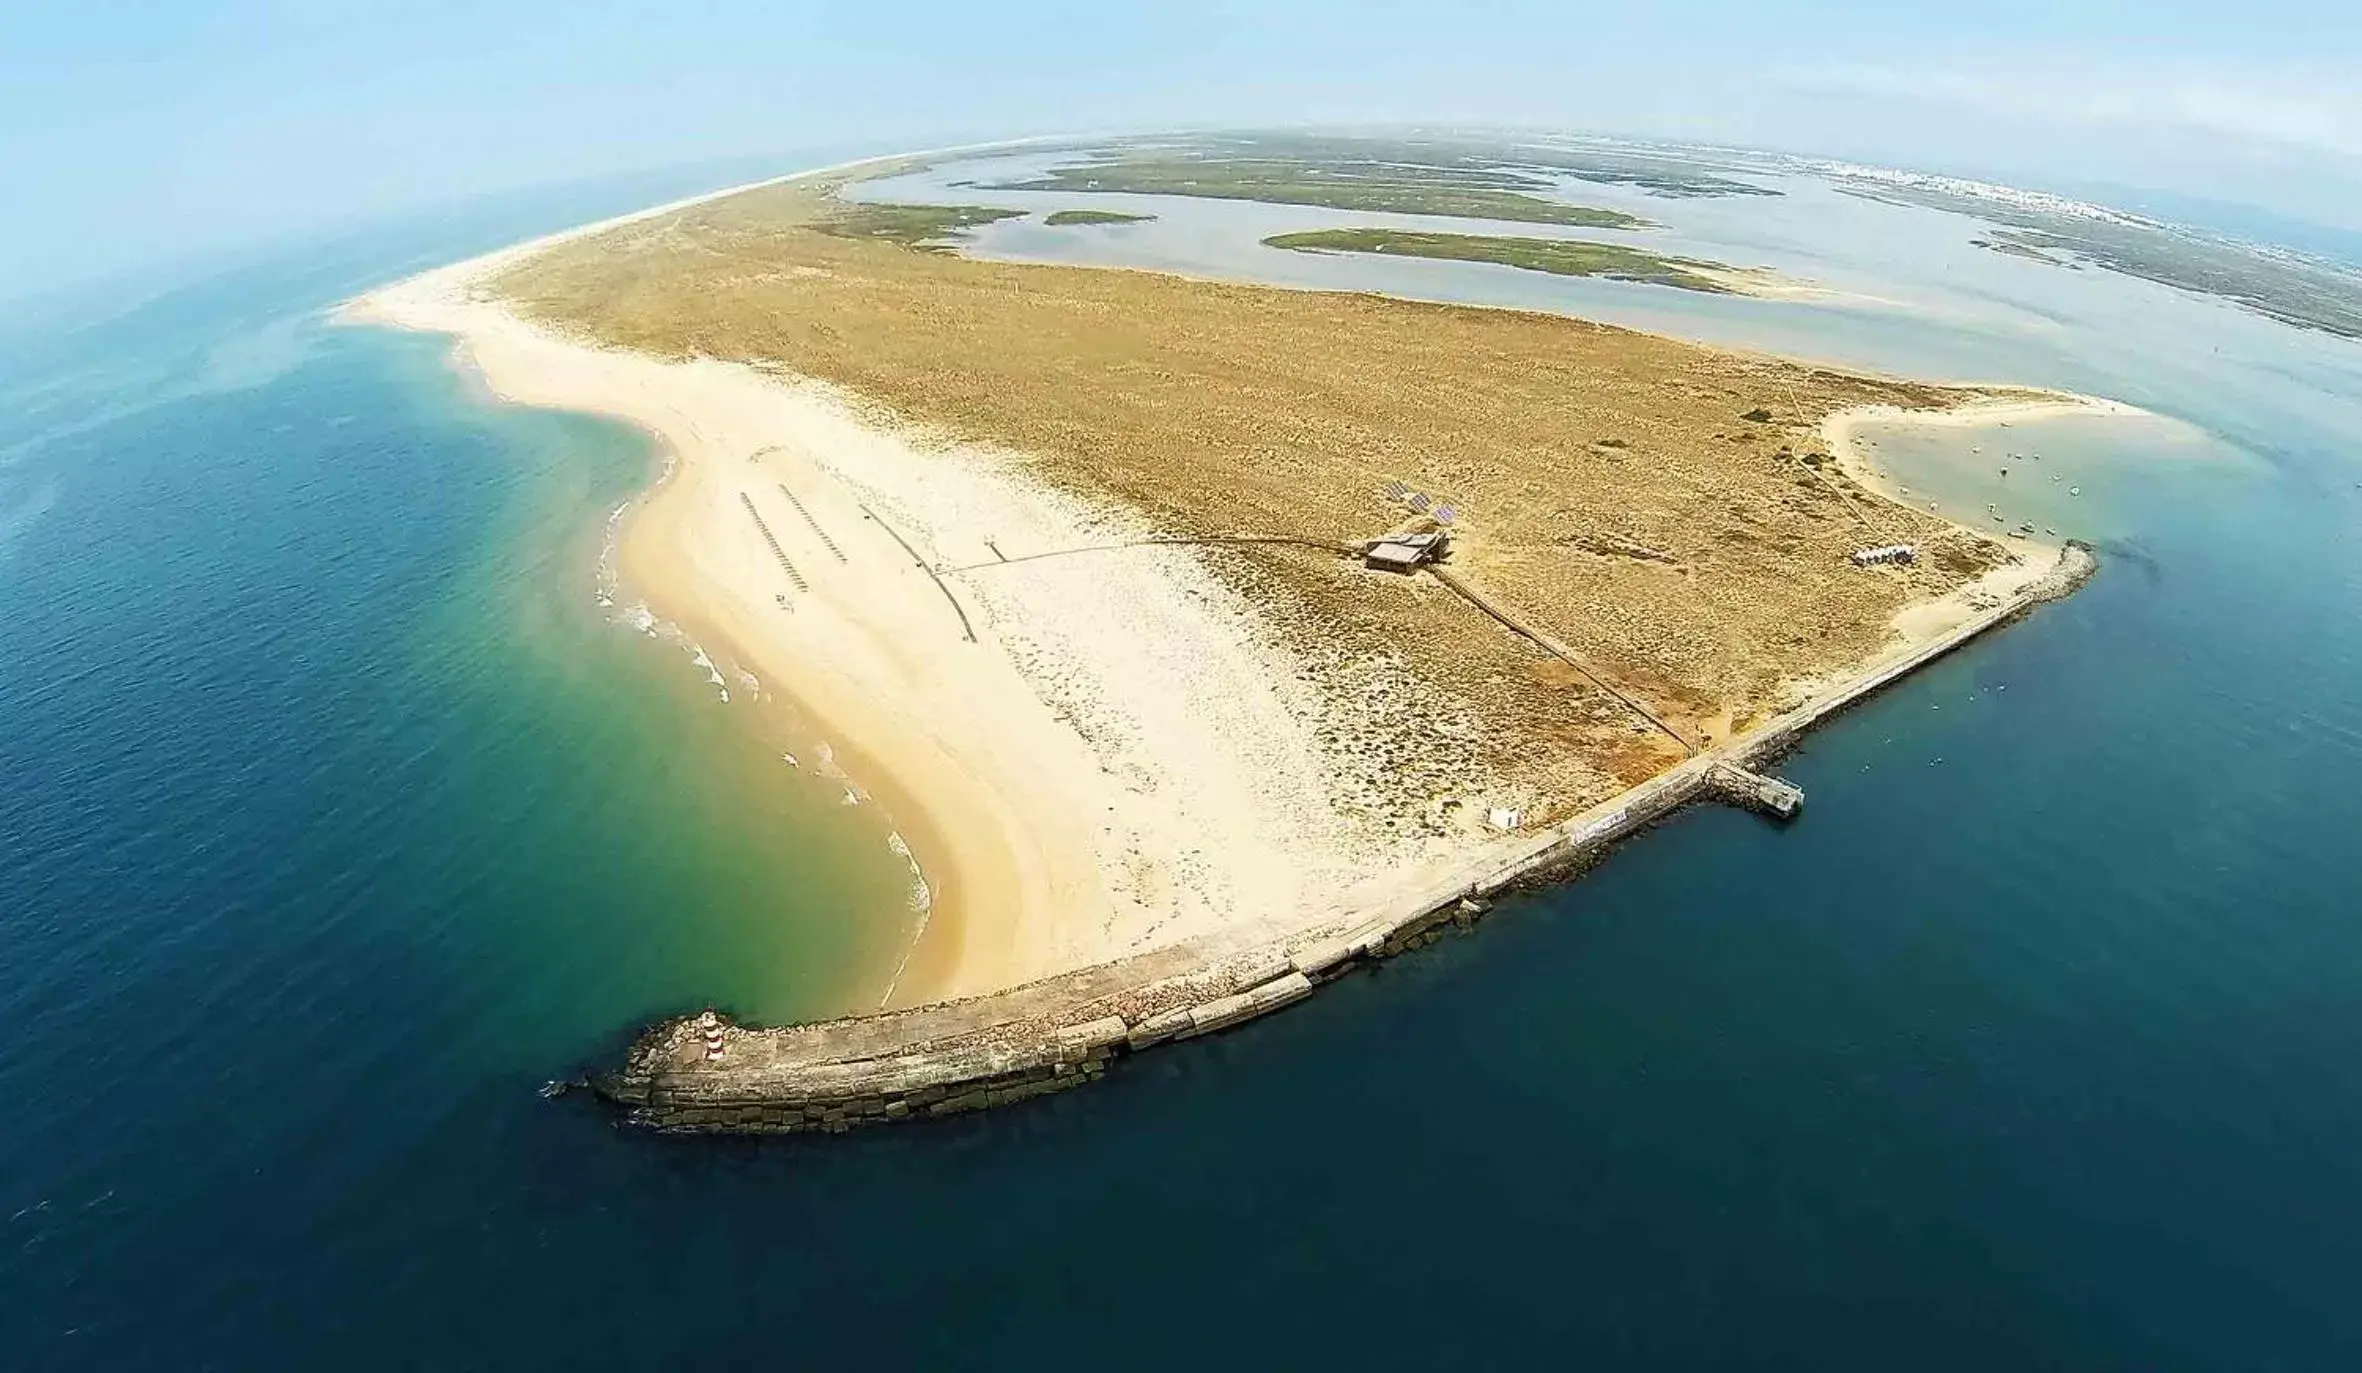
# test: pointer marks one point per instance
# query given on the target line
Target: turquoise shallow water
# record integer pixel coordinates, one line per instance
(336, 818)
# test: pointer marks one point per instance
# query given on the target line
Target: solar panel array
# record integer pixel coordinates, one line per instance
(1421, 502)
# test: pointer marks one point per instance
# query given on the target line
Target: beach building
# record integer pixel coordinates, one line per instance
(1405, 552)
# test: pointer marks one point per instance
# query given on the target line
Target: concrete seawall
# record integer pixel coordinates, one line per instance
(706, 1073)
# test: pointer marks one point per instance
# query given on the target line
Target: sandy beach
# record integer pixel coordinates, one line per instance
(1842, 431)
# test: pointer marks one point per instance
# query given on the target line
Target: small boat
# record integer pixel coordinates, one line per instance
(2074, 490)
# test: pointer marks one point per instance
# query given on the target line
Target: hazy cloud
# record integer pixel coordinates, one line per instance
(2295, 108)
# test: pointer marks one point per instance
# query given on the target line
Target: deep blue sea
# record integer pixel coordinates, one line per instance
(335, 816)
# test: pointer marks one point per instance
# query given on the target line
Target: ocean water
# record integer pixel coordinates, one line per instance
(338, 815)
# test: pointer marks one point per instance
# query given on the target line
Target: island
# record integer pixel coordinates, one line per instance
(1558, 256)
(1205, 639)
(1061, 218)
(1364, 184)
(2010, 243)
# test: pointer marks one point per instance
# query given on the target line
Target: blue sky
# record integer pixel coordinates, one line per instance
(137, 134)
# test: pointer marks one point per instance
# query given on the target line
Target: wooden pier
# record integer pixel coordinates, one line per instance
(1781, 800)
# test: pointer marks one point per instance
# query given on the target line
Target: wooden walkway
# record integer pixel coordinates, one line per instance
(924, 566)
(793, 576)
(817, 532)
(1550, 645)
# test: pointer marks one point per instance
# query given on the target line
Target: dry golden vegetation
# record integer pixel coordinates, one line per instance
(1656, 505)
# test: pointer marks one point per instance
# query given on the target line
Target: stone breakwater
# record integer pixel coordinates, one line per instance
(706, 1073)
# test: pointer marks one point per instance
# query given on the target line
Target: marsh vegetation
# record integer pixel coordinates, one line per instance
(1061, 218)
(929, 227)
(1368, 186)
(1561, 257)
